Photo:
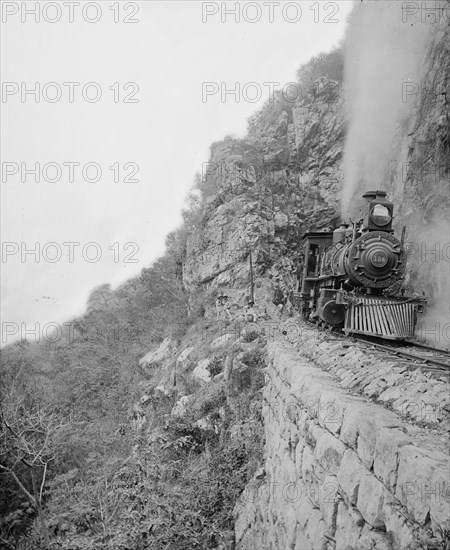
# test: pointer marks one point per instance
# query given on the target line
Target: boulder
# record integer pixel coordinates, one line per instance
(155, 356)
(145, 399)
(221, 340)
(201, 371)
(184, 355)
(180, 407)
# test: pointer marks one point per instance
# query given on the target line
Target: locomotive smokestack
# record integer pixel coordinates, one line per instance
(369, 195)
(374, 195)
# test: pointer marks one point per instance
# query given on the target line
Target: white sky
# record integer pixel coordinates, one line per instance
(169, 53)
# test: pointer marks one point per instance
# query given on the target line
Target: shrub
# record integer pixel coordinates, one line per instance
(215, 365)
(253, 377)
(207, 400)
(250, 336)
(329, 64)
(182, 437)
(254, 358)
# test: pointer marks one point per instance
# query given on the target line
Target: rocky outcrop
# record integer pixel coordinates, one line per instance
(266, 190)
(201, 371)
(340, 472)
(157, 356)
(418, 182)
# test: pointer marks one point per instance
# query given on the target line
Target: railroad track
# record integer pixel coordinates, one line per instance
(415, 356)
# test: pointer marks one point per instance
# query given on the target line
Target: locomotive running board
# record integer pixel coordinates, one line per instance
(383, 318)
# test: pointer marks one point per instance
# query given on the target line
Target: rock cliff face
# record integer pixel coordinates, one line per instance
(267, 189)
(419, 181)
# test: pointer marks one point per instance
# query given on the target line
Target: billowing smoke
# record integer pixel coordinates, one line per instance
(391, 47)
(428, 271)
(383, 57)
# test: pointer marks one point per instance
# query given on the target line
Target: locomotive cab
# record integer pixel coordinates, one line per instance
(314, 244)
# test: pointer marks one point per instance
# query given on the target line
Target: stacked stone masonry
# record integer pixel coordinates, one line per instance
(341, 472)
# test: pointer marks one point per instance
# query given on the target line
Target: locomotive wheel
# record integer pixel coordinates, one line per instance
(333, 313)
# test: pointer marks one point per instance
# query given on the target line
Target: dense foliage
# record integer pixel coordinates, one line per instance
(84, 378)
(176, 490)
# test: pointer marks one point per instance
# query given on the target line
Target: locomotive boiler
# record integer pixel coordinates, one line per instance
(349, 275)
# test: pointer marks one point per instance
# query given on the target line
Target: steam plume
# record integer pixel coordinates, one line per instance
(382, 53)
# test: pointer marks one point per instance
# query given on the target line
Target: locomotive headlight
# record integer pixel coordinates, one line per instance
(380, 215)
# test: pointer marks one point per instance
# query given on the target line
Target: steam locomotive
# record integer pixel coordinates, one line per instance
(348, 276)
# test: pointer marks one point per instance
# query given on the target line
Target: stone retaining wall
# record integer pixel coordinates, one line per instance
(341, 472)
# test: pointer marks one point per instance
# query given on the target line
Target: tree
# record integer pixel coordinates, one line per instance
(28, 445)
(100, 298)
(329, 64)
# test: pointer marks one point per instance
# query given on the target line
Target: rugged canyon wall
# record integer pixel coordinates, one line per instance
(419, 181)
(266, 190)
